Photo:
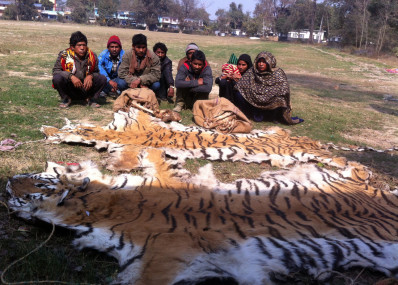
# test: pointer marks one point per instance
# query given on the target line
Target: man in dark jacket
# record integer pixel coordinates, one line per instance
(140, 67)
(166, 90)
(194, 80)
(109, 62)
(76, 74)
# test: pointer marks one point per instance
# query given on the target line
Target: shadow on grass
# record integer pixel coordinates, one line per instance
(383, 163)
(334, 88)
(385, 110)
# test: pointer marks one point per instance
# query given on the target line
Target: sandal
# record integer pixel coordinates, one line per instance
(93, 104)
(65, 104)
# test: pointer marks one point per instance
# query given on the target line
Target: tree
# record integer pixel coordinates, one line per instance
(188, 8)
(21, 10)
(384, 16)
(222, 21)
(80, 8)
(106, 9)
(265, 13)
(79, 14)
(253, 26)
(201, 14)
(150, 10)
(312, 21)
(46, 4)
(236, 16)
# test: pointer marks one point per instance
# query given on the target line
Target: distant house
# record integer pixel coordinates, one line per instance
(305, 35)
(122, 15)
(3, 6)
(167, 22)
(238, 32)
(51, 15)
(191, 24)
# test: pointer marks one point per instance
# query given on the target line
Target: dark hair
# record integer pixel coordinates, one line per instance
(162, 46)
(246, 58)
(77, 37)
(139, 39)
(198, 54)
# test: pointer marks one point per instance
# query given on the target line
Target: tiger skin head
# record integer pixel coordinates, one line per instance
(168, 226)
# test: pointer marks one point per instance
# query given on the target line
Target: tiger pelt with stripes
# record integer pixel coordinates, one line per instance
(168, 226)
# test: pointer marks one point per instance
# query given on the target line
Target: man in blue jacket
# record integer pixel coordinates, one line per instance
(194, 80)
(109, 62)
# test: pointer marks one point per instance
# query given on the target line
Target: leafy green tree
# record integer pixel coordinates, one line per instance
(79, 14)
(21, 10)
(11, 12)
(222, 21)
(106, 9)
(236, 16)
(150, 10)
(46, 4)
(384, 17)
(202, 14)
(80, 10)
(253, 26)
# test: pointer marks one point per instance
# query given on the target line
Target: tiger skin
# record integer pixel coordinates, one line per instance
(130, 133)
(167, 226)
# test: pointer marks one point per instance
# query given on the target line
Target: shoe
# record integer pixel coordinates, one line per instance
(170, 100)
(177, 109)
(163, 98)
(102, 94)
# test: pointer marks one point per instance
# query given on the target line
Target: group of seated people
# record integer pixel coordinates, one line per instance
(259, 90)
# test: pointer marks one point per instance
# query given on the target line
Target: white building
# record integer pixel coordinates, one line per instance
(168, 22)
(305, 35)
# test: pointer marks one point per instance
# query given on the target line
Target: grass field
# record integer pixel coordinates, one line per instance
(341, 97)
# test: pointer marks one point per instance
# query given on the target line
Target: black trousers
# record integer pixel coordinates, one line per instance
(66, 88)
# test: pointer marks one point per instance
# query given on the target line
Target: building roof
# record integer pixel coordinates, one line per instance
(3, 2)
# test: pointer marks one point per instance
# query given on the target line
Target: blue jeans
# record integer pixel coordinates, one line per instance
(121, 85)
(155, 86)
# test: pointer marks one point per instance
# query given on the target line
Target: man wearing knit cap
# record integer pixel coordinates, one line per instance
(189, 50)
(109, 62)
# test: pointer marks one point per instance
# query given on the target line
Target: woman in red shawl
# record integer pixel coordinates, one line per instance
(263, 91)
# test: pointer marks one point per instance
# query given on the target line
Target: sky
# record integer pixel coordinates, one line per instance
(213, 5)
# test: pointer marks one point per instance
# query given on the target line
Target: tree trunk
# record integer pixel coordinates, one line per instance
(382, 34)
(364, 21)
(312, 22)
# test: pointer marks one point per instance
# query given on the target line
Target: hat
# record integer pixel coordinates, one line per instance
(191, 46)
(114, 39)
(233, 59)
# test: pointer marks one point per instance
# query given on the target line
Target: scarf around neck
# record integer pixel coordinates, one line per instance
(138, 68)
(68, 61)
